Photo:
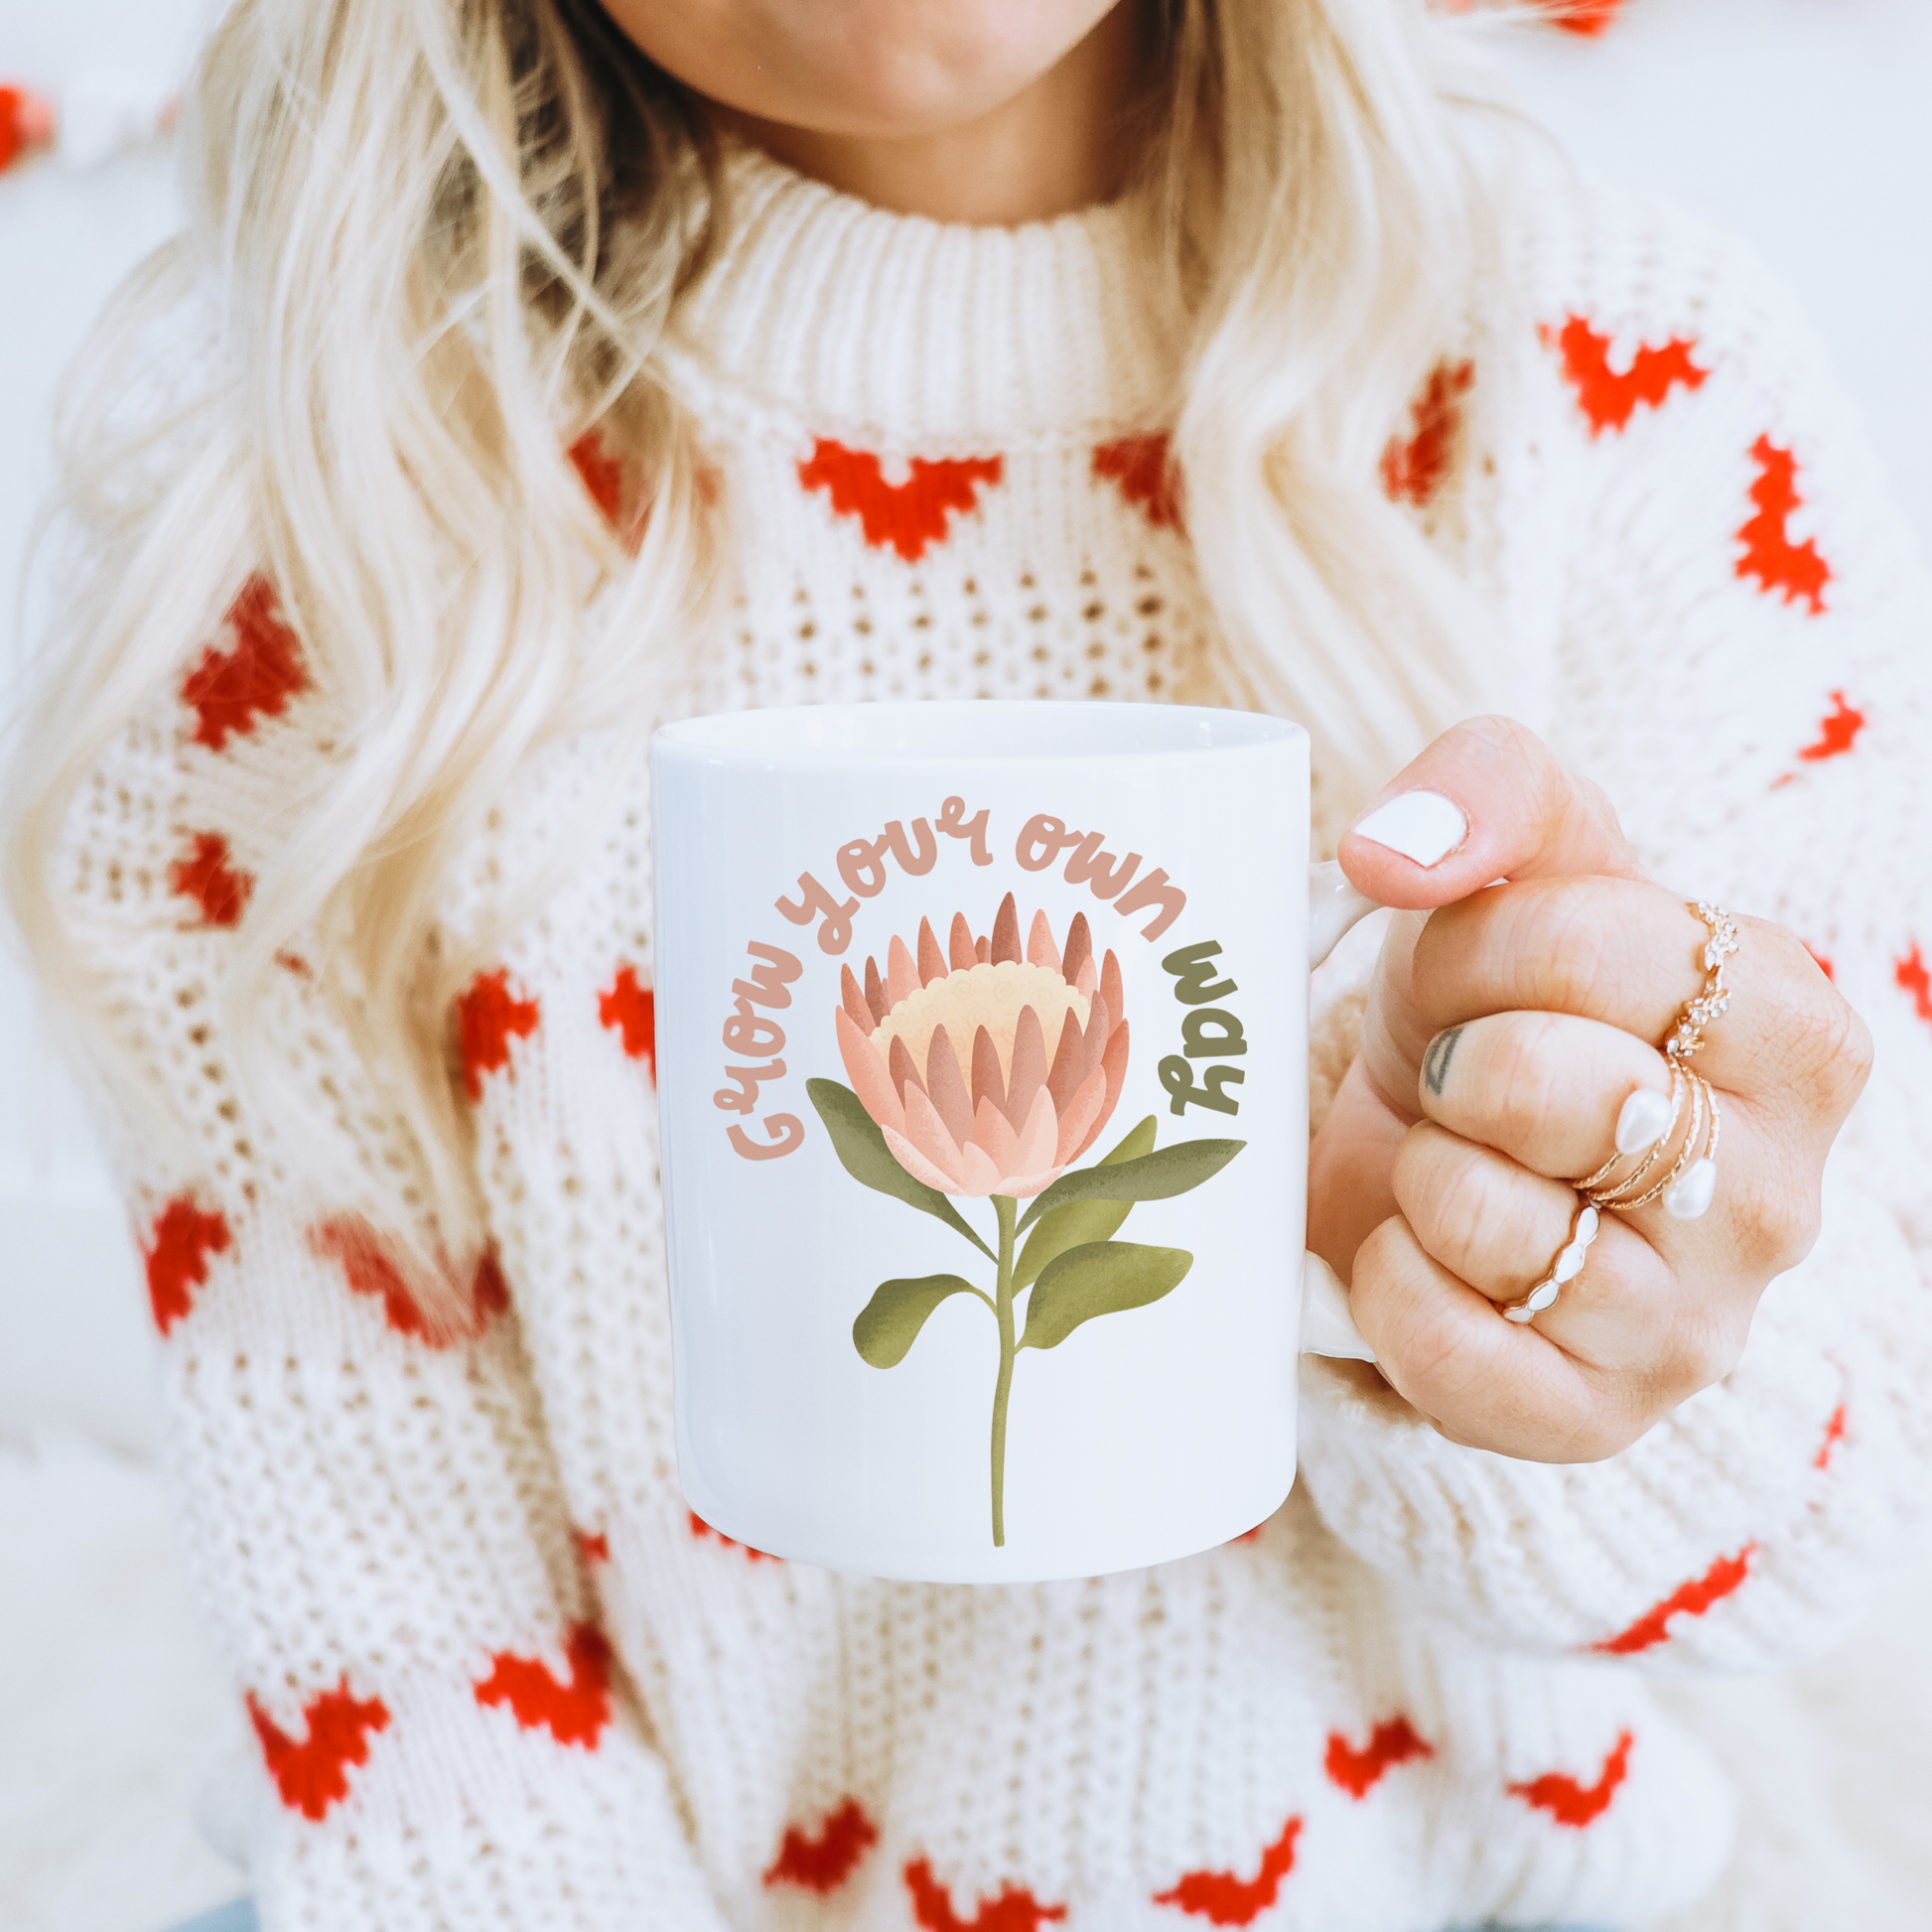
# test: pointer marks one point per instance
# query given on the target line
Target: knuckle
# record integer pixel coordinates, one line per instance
(1705, 1346)
(1702, 1358)
(1826, 1052)
(1567, 937)
(1461, 1201)
(1777, 1217)
(1530, 1090)
(1848, 1056)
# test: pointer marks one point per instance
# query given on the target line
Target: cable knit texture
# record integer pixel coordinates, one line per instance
(500, 1675)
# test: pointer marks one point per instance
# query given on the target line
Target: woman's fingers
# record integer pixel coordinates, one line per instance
(1490, 1222)
(1624, 1344)
(1630, 955)
(1546, 1088)
(1487, 800)
(1499, 1228)
(1550, 1092)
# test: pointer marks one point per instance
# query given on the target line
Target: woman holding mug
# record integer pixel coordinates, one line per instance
(534, 371)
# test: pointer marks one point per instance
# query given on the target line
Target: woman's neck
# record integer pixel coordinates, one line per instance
(1068, 141)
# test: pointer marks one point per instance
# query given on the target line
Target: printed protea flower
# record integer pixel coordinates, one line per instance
(987, 1073)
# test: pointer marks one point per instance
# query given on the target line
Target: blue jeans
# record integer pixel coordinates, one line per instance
(239, 1916)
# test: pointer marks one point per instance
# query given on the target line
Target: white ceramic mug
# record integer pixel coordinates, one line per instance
(982, 1059)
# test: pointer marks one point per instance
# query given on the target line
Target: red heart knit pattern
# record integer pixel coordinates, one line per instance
(1913, 977)
(1824, 965)
(632, 1008)
(908, 517)
(574, 1709)
(1837, 733)
(1574, 1804)
(602, 475)
(822, 1861)
(592, 1548)
(229, 690)
(1390, 1743)
(176, 1257)
(368, 1271)
(1609, 400)
(1795, 572)
(1015, 1910)
(700, 1528)
(204, 873)
(1586, 17)
(489, 1015)
(1413, 472)
(1724, 1579)
(313, 1775)
(13, 138)
(1139, 467)
(1223, 1898)
(1834, 1435)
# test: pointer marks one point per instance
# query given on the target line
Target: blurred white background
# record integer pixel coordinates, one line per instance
(1800, 123)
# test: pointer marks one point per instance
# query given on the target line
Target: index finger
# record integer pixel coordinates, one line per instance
(1521, 815)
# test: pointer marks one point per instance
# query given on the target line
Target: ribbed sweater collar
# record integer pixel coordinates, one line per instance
(925, 336)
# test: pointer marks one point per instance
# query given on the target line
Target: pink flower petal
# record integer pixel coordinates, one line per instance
(1040, 949)
(981, 1175)
(1039, 1138)
(876, 992)
(899, 1069)
(946, 1088)
(1006, 932)
(1070, 1065)
(902, 976)
(1088, 978)
(1025, 1187)
(993, 1135)
(866, 1076)
(1094, 1043)
(927, 1132)
(988, 1085)
(853, 1002)
(1113, 1067)
(959, 944)
(1080, 1114)
(932, 962)
(1110, 987)
(1079, 949)
(921, 1169)
(1027, 1075)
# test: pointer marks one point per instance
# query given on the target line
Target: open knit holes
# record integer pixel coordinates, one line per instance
(927, 633)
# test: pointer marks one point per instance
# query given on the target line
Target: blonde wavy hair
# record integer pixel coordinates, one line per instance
(444, 238)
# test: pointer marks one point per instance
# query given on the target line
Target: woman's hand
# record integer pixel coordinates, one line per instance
(1442, 1197)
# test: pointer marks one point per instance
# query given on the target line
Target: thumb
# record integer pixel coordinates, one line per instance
(1487, 800)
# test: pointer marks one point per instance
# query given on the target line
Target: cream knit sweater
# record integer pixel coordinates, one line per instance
(502, 1678)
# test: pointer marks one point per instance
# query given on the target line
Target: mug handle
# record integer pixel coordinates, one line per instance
(1328, 1328)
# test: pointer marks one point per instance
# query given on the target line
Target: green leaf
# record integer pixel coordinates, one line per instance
(889, 1323)
(863, 1153)
(1101, 1278)
(1079, 1223)
(1153, 1176)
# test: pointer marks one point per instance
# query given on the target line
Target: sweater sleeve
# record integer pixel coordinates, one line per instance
(370, 1507)
(1744, 663)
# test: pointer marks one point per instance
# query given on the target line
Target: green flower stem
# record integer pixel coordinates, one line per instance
(1005, 1208)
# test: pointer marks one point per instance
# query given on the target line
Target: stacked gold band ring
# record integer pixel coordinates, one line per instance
(1647, 1129)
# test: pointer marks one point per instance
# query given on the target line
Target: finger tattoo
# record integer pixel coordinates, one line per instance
(1436, 1062)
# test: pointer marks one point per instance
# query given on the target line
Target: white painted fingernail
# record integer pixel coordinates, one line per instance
(1420, 825)
(1644, 1120)
(1691, 1196)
